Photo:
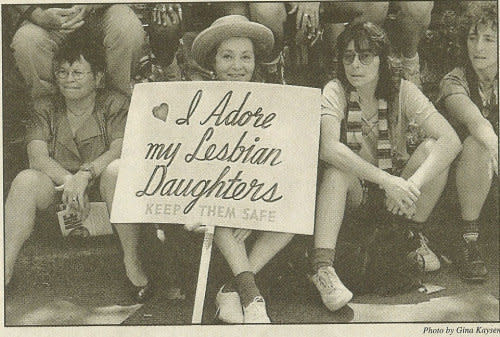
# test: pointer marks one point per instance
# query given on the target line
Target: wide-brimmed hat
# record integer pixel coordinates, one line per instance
(230, 26)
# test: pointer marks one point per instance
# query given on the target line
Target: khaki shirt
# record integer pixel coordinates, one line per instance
(106, 124)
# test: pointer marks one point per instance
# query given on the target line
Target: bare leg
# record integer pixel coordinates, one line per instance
(30, 190)
(272, 15)
(128, 233)
(233, 251)
(474, 176)
(413, 20)
(334, 188)
(431, 191)
(268, 244)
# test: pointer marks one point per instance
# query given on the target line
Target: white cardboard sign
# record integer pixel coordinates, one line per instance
(231, 154)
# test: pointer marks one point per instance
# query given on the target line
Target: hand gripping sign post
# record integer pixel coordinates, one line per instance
(232, 154)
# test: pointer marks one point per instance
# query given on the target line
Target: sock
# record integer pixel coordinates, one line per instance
(229, 287)
(322, 257)
(470, 230)
(246, 286)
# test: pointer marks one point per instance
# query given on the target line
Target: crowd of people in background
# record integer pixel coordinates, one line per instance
(383, 143)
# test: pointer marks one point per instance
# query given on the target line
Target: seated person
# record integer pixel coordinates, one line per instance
(376, 111)
(469, 96)
(44, 28)
(231, 47)
(74, 143)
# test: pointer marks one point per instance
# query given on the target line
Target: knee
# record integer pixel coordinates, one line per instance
(28, 38)
(375, 12)
(108, 178)
(123, 27)
(474, 151)
(110, 174)
(336, 177)
(418, 11)
(272, 15)
(28, 180)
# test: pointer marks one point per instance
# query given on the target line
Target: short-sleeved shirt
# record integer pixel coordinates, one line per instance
(91, 140)
(413, 109)
(455, 83)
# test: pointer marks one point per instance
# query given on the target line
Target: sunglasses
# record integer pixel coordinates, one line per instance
(365, 57)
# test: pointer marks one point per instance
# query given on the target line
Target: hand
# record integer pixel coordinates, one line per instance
(52, 18)
(307, 15)
(167, 14)
(82, 11)
(408, 212)
(74, 190)
(404, 192)
(241, 234)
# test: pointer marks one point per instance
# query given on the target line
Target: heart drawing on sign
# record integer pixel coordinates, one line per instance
(161, 111)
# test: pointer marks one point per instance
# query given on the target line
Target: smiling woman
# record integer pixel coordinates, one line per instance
(74, 142)
(231, 47)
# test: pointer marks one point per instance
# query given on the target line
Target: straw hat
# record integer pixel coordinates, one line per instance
(230, 26)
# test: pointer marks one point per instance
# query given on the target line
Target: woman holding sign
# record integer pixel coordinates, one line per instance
(367, 116)
(469, 95)
(73, 142)
(232, 47)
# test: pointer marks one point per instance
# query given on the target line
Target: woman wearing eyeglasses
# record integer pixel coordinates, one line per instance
(73, 143)
(365, 118)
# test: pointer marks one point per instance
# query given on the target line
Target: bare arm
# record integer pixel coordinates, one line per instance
(342, 157)
(75, 187)
(38, 155)
(468, 114)
(444, 151)
(114, 152)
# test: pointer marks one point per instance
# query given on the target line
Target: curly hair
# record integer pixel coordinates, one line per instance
(81, 43)
(367, 35)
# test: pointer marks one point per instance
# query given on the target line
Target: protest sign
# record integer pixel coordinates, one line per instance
(231, 154)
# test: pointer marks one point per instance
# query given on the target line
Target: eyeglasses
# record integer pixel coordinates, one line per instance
(365, 57)
(77, 75)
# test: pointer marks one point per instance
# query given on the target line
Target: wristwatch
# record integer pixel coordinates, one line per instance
(89, 167)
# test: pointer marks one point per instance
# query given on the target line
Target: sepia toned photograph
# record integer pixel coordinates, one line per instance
(329, 165)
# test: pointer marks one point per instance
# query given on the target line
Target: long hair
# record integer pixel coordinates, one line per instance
(475, 13)
(367, 35)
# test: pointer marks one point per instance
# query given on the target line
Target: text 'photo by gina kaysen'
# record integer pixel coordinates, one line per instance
(283, 164)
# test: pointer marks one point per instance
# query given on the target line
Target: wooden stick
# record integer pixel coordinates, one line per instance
(201, 287)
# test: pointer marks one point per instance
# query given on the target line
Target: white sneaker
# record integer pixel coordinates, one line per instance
(334, 293)
(229, 307)
(425, 256)
(256, 312)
